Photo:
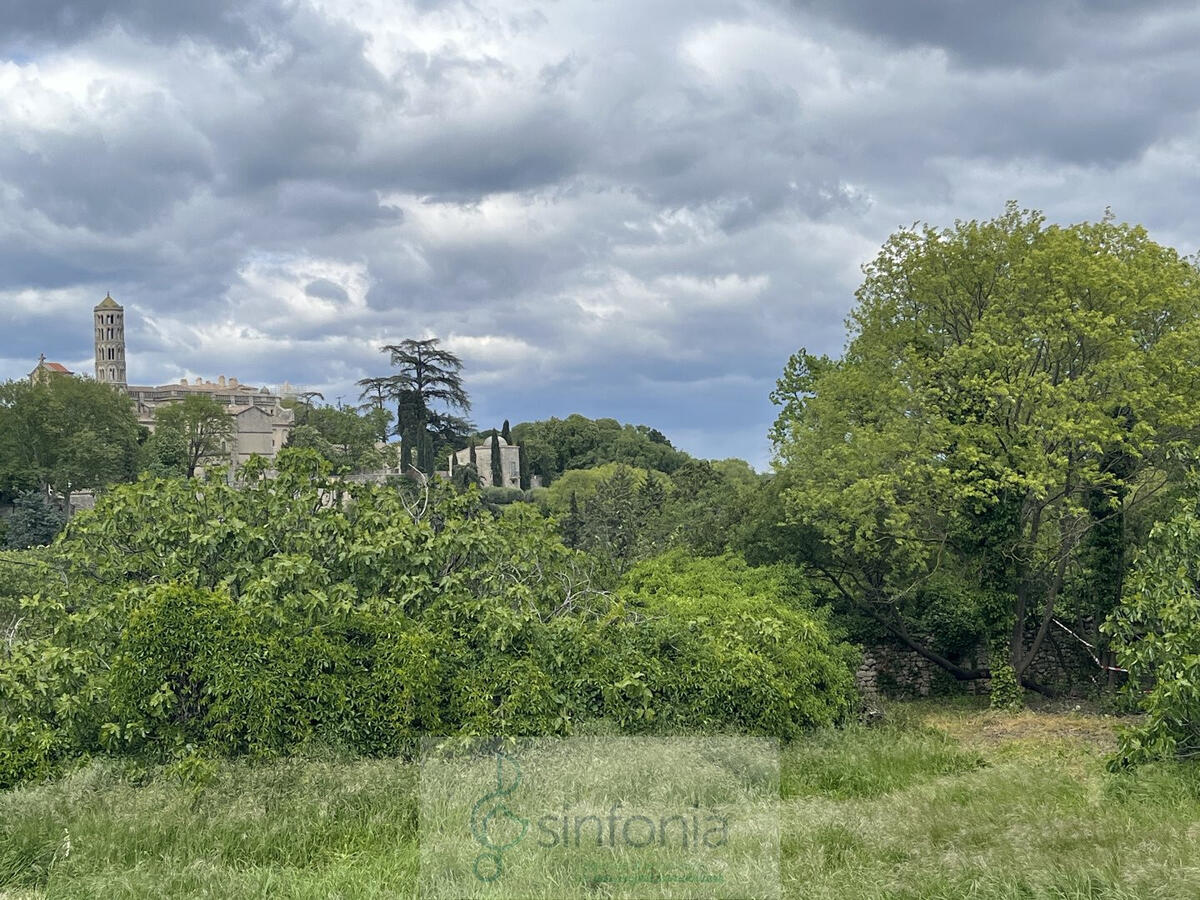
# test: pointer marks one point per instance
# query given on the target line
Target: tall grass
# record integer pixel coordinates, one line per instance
(1011, 807)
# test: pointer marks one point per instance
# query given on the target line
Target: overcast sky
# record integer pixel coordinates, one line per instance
(616, 207)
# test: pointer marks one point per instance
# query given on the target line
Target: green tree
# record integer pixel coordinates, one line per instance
(523, 466)
(66, 434)
(994, 373)
(505, 432)
(497, 469)
(304, 405)
(433, 373)
(428, 377)
(1156, 635)
(258, 617)
(427, 458)
(571, 526)
(34, 522)
(782, 667)
(465, 477)
(375, 392)
(555, 446)
(308, 437)
(613, 520)
(204, 425)
(708, 504)
(164, 454)
(345, 437)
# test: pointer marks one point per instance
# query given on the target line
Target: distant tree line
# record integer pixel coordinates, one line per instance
(554, 446)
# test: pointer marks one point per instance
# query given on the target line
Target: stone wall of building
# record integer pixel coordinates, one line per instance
(510, 462)
(261, 422)
(1063, 663)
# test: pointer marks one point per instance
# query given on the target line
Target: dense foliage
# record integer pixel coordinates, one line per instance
(1156, 633)
(201, 425)
(34, 522)
(346, 438)
(427, 391)
(260, 616)
(65, 433)
(720, 643)
(555, 446)
(621, 514)
(1014, 398)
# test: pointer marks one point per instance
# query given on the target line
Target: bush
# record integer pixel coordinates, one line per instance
(198, 616)
(1006, 692)
(34, 522)
(713, 644)
(1156, 636)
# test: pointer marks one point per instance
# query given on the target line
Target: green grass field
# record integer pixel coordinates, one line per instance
(943, 802)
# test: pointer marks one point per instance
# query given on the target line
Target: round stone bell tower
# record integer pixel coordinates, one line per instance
(110, 342)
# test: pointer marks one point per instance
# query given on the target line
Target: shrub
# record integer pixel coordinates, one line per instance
(198, 616)
(34, 522)
(1156, 636)
(1006, 693)
(711, 643)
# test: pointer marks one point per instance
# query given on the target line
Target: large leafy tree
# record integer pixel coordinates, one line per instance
(554, 446)
(204, 425)
(65, 434)
(429, 377)
(304, 403)
(34, 522)
(374, 398)
(345, 437)
(1009, 388)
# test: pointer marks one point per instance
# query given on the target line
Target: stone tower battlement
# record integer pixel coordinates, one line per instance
(110, 342)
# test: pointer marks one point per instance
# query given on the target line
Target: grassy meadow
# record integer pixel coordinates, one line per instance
(939, 802)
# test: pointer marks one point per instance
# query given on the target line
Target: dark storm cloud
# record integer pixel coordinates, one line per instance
(69, 177)
(624, 209)
(1038, 33)
(227, 22)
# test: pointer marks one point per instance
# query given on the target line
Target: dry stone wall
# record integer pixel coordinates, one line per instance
(896, 672)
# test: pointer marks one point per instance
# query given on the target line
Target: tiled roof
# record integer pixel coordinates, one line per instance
(58, 367)
(108, 303)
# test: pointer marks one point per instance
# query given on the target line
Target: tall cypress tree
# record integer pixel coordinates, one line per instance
(473, 460)
(523, 462)
(505, 433)
(572, 525)
(426, 465)
(497, 469)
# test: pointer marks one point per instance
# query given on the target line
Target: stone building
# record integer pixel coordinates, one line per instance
(261, 423)
(110, 341)
(46, 370)
(510, 462)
